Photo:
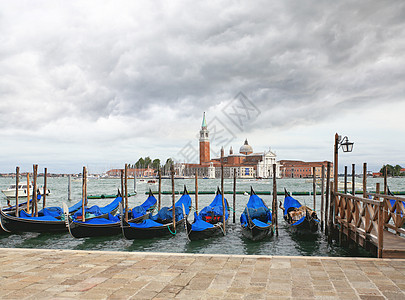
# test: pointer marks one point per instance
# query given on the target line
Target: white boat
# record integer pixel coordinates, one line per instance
(22, 191)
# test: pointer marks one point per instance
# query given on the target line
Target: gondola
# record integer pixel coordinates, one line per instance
(300, 218)
(50, 219)
(160, 224)
(256, 219)
(209, 222)
(112, 224)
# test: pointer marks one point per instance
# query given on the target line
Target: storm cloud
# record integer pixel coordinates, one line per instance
(91, 77)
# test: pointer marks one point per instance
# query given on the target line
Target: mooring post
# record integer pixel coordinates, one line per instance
(365, 180)
(135, 179)
(380, 223)
(322, 194)
(17, 182)
(160, 190)
(327, 194)
(173, 200)
(28, 193)
(234, 195)
(45, 190)
(345, 187)
(34, 191)
(122, 186)
(314, 185)
(126, 191)
(85, 187)
(223, 197)
(331, 205)
(196, 192)
(353, 179)
(83, 195)
(275, 211)
(69, 187)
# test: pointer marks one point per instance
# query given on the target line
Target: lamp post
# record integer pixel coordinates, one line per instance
(346, 147)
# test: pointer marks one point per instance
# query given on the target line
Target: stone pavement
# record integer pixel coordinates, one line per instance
(65, 274)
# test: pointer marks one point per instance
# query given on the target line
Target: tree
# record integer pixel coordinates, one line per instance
(391, 171)
(140, 163)
(156, 164)
(148, 161)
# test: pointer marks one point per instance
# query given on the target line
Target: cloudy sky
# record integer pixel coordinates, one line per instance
(101, 83)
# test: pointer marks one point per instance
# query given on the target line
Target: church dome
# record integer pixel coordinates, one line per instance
(246, 148)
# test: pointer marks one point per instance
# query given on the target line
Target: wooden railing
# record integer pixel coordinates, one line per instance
(362, 216)
(368, 217)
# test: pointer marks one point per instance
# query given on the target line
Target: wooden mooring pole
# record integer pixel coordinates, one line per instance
(83, 195)
(380, 223)
(331, 214)
(122, 186)
(45, 190)
(327, 194)
(345, 186)
(275, 214)
(160, 190)
(353, 179)
(314, 185)
(34, 191)
(28, 193)
(365, 180)
(322, 195)
(126, 191)
(223, 199)
(17, 182)
(69, 187)
(234, 195)
(196, 192)
(173, 200)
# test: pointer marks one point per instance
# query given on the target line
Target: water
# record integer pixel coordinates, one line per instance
(233, 243)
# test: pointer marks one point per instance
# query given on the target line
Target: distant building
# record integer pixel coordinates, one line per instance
(301, 169)
(245, 164)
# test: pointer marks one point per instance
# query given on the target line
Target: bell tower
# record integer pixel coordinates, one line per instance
(204, 142)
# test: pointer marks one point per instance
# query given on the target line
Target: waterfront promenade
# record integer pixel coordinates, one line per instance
(67, 274)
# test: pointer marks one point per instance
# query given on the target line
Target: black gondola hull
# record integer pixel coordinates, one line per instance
(307, 226)
(14, 224)
(256, 233)
(133, 233)
(193, 235)
(82, 230)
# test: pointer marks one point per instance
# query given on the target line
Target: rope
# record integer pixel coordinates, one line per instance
(222, 229)
(168, 227)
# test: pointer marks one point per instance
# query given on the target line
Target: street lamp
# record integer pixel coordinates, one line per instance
(346, 147)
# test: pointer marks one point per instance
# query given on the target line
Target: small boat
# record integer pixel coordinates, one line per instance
(160, 224)
(52, 219)
(209, 222)
(108, 196)
(112, 224)
(48, 220)
(152, 181)
(299, 217)
(256, 219)
(22, 191)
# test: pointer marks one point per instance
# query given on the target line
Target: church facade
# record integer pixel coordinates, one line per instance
(245, 164)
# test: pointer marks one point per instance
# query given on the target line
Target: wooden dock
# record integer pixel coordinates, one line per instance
(374, 221)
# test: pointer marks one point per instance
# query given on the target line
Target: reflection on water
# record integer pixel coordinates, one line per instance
(286, 243)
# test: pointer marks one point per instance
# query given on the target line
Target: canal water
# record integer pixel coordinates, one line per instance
(286, 243)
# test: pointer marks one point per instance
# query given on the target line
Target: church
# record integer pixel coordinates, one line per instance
(245, 164)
